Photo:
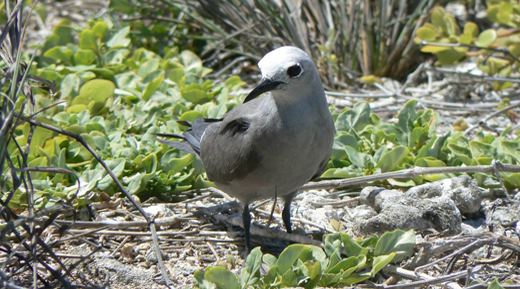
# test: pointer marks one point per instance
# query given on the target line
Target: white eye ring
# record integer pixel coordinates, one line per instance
(294, 70)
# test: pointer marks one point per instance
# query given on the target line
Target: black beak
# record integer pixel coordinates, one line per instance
(265, 86)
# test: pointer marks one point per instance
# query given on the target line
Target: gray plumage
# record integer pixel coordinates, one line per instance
(277, 140)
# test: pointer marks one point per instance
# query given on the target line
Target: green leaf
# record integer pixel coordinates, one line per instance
(87, 40)
(356, 278)
(344, 138)
(191, 115)
(312, 271)
(393, 158)
(148, 163)
(152, 87)
(486, 38)
(343, 265)
(398, 241)
(352, 248)
(84, 57)
(124, 6)
(514, 49)
(407, 115)
(295, 252)
(495, 285)
(479, 148)
(70, 85)
(191, 61)
(355, 157)
(194, 93)
(509, 150)
(432, 48)
(505, 14)
(511, 180)
(96, 90)
(148, 67)
(401, 183)
(234, 82)
(450, 55)
(379, 262)
(199, 278)
(356, 118)
(117, 166)
(437, 17)
(39, 137)
(427, 32)
(471, 28)
(430, 162)
(100, 29)
(461, 153)
(59, 54)
(116, 56)
(135, 183)
(466, 39)
(248, 275)
(369, 79)
(174, 165)
(418, 136)
(451, 25)
(62, 34)
(103, 73)
(221, 277)
(120, 38)
(269, 260)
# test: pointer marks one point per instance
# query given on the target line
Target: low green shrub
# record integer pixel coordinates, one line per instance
(343, 261)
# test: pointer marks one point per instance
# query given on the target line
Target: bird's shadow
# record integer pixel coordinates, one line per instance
(271, 240)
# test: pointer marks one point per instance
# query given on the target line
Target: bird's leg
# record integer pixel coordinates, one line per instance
(246, 219)
(286, 213)
(272, 208)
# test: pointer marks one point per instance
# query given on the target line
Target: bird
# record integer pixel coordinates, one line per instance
(276, 140)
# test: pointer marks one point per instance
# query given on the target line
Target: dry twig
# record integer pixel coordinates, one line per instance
(408, 174)
(492, 115)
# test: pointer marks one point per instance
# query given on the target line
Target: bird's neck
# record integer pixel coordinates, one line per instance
(313, 99)
(296, 110)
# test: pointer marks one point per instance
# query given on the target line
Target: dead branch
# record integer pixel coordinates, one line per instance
(434, 280)
(411, 275)
(169, 221)
(490, 116)
(408, 174)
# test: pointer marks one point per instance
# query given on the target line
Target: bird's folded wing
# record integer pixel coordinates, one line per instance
(228, 151)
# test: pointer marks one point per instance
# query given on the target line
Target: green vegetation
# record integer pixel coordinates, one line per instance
(117, 83)
(366, 145)
(496, 50)
(342, 262)
(117, 96)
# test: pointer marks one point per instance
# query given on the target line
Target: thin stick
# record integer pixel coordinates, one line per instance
(482, 77)
(119, 224)
(101, 231)
(416, 276)
(470, 247)
(125, 240)
(496, 113)
(409, 173)
(436, 280)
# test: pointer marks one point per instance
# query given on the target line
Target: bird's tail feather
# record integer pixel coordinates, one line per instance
(180, 145)
(191, 137)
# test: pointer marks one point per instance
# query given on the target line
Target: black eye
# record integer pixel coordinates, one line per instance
(294, 70)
